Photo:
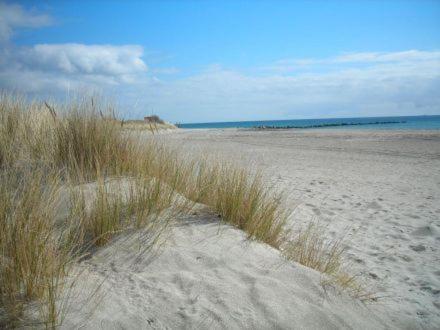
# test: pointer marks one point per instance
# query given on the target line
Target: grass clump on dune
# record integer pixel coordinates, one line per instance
(240, 199)
(310, 248)
(85, 139)
(116, 181)
(33, 260)
(75, 148)
(243, 201)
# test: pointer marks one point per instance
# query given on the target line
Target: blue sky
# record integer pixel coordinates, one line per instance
(197, 61)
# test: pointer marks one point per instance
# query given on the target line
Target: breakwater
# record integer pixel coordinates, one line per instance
(260, 127)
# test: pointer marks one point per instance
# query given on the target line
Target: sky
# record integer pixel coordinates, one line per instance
(207, 61)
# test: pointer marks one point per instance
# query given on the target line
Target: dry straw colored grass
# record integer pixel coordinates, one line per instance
(309, 248)
(240, 199)
(45, 150)
(116, 181)
(33, 259)
(141, 125)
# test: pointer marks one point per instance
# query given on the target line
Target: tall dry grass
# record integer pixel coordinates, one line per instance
(31, 257)
(116, 181)
(310, 247)
(84, 141)
(45, 150)
(240, 199)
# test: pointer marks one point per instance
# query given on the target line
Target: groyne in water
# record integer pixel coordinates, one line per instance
(327, 125)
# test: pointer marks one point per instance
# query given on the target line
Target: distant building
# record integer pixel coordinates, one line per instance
(154, 119)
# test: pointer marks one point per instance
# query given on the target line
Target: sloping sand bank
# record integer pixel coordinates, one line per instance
(208, 276)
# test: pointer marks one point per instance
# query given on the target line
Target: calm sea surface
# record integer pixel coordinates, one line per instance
(407, 122)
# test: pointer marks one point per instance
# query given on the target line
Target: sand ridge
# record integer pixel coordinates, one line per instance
(209, 276)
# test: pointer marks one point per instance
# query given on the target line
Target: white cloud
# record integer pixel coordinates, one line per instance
(406, 56)
(353, 59)
(13, 16)
(60, 67)
(104, 60)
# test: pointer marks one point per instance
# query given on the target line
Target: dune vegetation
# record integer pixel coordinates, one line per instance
(141, 125)
(115, 181)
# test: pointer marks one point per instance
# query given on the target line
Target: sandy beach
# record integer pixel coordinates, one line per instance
(381, 189)
(220, 165)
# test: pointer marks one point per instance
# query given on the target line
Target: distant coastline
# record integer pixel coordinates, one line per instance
(393, 123)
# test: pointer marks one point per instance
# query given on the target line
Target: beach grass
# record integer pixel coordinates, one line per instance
(116, 181)
(141, 125)
(310, 247)
(240, 199)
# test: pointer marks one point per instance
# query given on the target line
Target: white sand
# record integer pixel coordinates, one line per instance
(384, 186)
(210, 277)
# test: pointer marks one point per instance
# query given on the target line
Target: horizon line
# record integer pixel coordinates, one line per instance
(250, 121)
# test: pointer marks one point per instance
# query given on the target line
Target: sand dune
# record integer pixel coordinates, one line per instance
(209, 276)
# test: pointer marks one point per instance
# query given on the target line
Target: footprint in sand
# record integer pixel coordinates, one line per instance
(424, 231)
(373, 275)
(406, 258)
(430, 289)
(418, 248)
(374, 205)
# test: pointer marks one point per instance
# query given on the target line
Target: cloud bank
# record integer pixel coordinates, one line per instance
(82, 59)
(348, 84)
(55, 67)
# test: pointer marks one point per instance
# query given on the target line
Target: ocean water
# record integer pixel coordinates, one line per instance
(398, 123)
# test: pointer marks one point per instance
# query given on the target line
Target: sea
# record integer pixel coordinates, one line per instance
(379, 123)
